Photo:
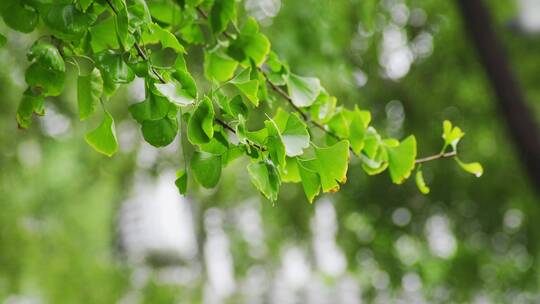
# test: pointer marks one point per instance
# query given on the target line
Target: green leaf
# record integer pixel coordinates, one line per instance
(163, 36)
(103, 138)
(218, 67)
(473, 168)
(332, 165)
(85, 4)
(161, 132)
(138, 12)
(89, 90)
(175, 93)
(47, 55)
(311, 182)
(293, 132)
(3, 40)
(323, 108)
(250, 44)
(181, 181)
(46, 79)
(206, 168)
(238, 107)
(247, 86)
(359, 121)
(121, 21)
(274, 144)
(66, 21)
(30, 103)
(290, 172)
(101, 38)
(266, 179)
(223, 12)
(152, 108)
(420, 183)
(113, 68)
(451, 135)
(201, 123)
(303, 90)
(20, 17)
(401, 159)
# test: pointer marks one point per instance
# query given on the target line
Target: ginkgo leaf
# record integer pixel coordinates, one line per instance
(265, 177)
(181, 181)
(303, 90)
(175, 93)
(218, 66)
(206, 168)
(223, 12)
(249, 87)
(201, 123)
(89, 90)
(311, 181)
(473, 168)
(451, 135)
(103, 138)
(160, 132)
(293, 132)
(420, 183)
(31, 103)
(401, 159)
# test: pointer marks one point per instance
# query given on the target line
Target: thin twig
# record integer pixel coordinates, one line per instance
(435, 157)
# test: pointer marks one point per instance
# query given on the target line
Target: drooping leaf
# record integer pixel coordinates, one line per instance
(89, 90)
(121, 21)
(160, 132)
(311, 181)
(401, 159)
(473, 168)
(30, 103)
(201, 123)
(103, 138)
(181, 181)
(206, 168)
(274, 144)
(47, 55)
(50, 81)
(265, 177)
(303, 90)
(152, 108)
(3, 40)
(420, 183)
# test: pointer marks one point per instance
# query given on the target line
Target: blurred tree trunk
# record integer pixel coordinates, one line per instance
(510, 98)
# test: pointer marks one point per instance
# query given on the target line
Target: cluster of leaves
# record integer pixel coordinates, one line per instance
(114, 41)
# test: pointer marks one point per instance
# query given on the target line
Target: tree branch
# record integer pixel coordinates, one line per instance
(519, 117)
